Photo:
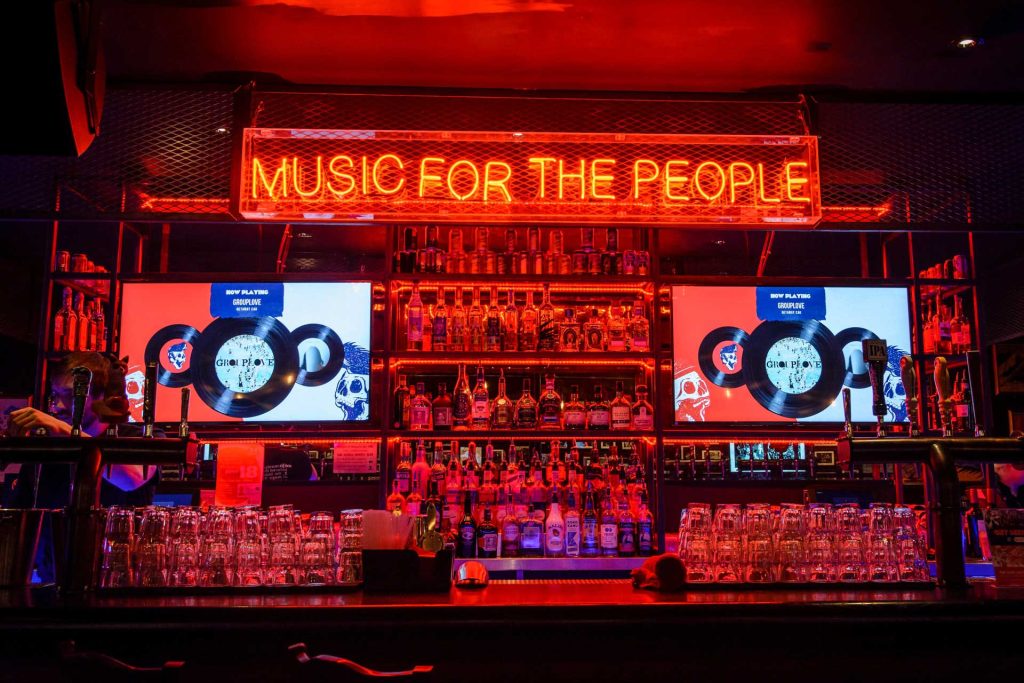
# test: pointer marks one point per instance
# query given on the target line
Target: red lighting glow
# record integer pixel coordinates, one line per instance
(351, 175)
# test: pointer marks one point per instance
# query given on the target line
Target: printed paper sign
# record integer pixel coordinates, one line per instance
(239, 474)
(356, 457)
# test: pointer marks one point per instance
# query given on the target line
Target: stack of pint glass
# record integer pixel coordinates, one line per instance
(183, 547)
(792, 543)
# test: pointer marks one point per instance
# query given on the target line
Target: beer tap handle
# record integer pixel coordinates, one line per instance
(876, 356)
(149, 400)
(944, 390)
(847, 413)
(81, 383)
(183, 425)
(909, 377)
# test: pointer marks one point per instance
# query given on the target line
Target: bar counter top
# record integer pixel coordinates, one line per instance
(580, 599)
(562, 630)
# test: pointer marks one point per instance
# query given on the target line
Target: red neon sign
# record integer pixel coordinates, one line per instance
(358, 175)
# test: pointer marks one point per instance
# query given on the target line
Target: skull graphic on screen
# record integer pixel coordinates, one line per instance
(176, 355)
(351, 394)
(892, 386)
(728, 356)
(135, 386)
(692, 396)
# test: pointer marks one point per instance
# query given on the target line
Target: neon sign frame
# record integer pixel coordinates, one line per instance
(434, 176)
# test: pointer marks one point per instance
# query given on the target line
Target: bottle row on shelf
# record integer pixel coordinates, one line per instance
(943, 333)
(545, 509)
(493, 327)
(79, 326)
(533, 260)
(474, 409)
(953, 268)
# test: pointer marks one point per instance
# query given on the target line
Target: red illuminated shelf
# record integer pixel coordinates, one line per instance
(522, 435)
(525, 358)
(498, 280)
(90, 284)
(948, 290)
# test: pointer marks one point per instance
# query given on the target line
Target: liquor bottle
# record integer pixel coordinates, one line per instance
(492, 323)
(403, 471)
(575, 413)
(538, 490)
(456, 261)
(594, 332)
(453, 485)
(407, 256)
(420, 472)
(526, 408)
(414, 320)
(962, 405)
(574, 471)
(960, 329)
(616, 329)
(438, 472)
(609, 531)
(642, 411)
(572, 525)
(488, 262)
(462, 402)
(510, 324)
(639, 329)
(475, 323)
(531, 534)
(590, 545)
(627, 529)
(944, 340)
(471, 473)
(928, 332)
(403, 404)
(502, 408)
(550, 405)
(598, 411)
(621, 410)
(509, 529)
(554, 529)
(64, 324)
(644, 526)
(547, 333)
(396, 502)
(507, 475)
(428, 327)
(420, 410)
(439, 324)
(99, 327)
(528, 325)
(442, 408)
(490, 468)
(487, 537)
(82, 343)
(480, 411)
(569, 332)
(509, 258)
(457, 323)
(414, 503)
(554, 471)
(467, 531)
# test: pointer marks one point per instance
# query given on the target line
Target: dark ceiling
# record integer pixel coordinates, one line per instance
(640, 45)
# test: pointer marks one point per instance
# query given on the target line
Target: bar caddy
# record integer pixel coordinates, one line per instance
(939, 454)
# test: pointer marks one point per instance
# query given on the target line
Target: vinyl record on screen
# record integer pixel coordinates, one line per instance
(793, 369)
(321, 354)
(728, 380)
(154, 348)
(854, 380)
(243, 367)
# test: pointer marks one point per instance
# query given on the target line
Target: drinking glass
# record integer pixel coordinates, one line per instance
(284, 548)
(819, 549)
(881, 552)
(909, 546)
(760, 557)
(728, 554)
(184, 560)
(116, 570)
(217, 549)
(350, 547)
(789, 546)
(850, 544)
(697, 558)
(151, 550)
(248, 548)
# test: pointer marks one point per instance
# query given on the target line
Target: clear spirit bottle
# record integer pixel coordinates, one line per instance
(550, 406)
(481, 410)
(547, 333)
(528, 323)
(414, 320)
(502, 408)
(492, 324)
(510, 324)
(475, 323)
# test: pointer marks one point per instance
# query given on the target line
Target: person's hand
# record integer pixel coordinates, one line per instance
(27, 419)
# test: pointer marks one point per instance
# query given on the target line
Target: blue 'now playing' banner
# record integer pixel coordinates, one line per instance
(246, 299)
(791, 303)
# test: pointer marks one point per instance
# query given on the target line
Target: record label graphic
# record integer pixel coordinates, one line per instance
(793, 365)
(244, 363)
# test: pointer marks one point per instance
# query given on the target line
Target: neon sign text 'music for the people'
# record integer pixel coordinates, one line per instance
(358, 175)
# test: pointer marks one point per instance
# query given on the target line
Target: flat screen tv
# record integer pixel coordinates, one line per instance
(250, 351)
(783, 354)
